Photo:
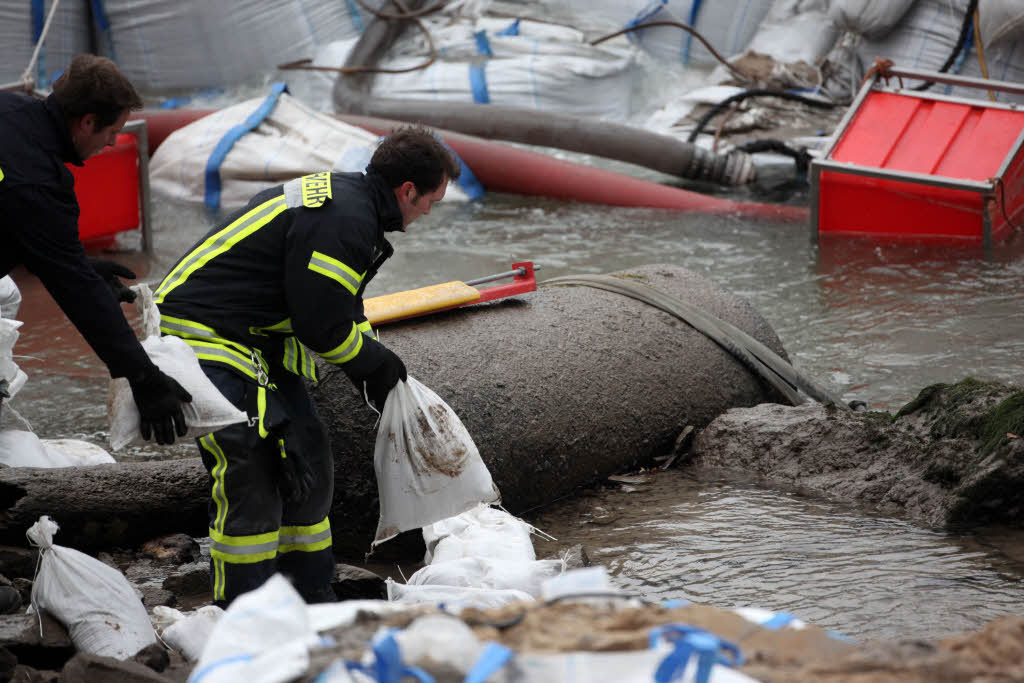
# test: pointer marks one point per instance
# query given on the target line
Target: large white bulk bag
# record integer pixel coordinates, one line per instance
(167, 44)
(21, 24)
(872, 19)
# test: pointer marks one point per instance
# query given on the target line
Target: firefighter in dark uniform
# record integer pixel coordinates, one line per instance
(268, 287)
(90, 103)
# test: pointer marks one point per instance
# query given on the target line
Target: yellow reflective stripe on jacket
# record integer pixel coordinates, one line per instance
(306, 539)
(347, 350)
(366, 328)
(283, 327)
(298, 360)
(336, 270)
(220, 242)
(218, 353)
(243, 549)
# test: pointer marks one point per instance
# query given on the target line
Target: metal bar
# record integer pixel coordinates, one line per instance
(18, 85)
(851, 111)
(500, 276)
(1014, 151)
(966, 81)
(906, 176)
(955, 99)
(137, 128)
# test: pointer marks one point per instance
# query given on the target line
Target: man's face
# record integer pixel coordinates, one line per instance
(413, 204)
(89, 139)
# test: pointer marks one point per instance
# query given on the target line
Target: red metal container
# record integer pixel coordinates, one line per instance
(915, 166)
(113, 189)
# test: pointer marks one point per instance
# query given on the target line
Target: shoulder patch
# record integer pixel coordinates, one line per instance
(316, 189)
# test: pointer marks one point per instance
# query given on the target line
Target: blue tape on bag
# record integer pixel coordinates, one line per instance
(779, 620)
(220, 152)
(691, 19)
(490, 660)
(510, 30)
(478, 83)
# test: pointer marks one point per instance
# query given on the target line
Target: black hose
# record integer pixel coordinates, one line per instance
(755, 92)
(757, 357)
(965, 28)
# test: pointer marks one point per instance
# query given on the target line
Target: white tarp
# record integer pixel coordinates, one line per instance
(795, 30)
(21, 23)
(167, 44)
(1001, 21)
(293, 140)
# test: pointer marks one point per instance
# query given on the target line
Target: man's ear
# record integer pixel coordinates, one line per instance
(408, 189)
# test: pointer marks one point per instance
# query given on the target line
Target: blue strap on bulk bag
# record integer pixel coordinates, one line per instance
(478, 71)
(490, 660)
(220, 152)
(691, 641)
(779, 620)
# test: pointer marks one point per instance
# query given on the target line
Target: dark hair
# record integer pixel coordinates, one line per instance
(412, 153)
(94, 85)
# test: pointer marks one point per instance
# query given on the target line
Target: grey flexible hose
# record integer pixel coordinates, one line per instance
(753, 354)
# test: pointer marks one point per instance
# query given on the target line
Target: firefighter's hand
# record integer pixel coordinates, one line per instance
(111, 272)
(382, 379)
(159, 399)
(294, 477)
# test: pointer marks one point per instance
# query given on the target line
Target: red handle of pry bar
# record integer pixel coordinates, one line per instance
(527, 282)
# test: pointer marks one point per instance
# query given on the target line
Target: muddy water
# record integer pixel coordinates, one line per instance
(720, 538)
(874, 322)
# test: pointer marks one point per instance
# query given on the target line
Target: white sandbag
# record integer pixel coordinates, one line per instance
(871, 19)
(20, 448)
(263, 637)
(10, 298)
(291, 141)
(94, 601)
(76, 453)
(9, 370)
(189, 633)
(428, 468)
(482, 531)
(440, 644)
(453, 597)
(170, 44)
(795, 31)
(608, 667)
(68, 36)
(208, 411)
(1001, 21)
(484, 572)
(582, 581)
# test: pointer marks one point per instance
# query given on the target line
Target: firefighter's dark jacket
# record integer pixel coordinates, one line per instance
(285, 275)
(39, 228)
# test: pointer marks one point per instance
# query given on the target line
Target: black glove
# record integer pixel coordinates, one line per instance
(382, 379)
(110, 271)
(159, 398)
(294, 477)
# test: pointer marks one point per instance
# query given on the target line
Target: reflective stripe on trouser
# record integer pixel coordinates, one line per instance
(254, 533)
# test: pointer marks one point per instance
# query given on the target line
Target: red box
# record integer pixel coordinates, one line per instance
(915, 166)
(108, 191)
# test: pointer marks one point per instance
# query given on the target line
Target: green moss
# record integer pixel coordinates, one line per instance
(1005, 418)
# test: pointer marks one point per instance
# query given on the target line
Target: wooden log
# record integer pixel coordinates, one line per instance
(559, 388)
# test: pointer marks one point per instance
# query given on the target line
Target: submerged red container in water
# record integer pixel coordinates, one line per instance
(108, 191)
(910, 165)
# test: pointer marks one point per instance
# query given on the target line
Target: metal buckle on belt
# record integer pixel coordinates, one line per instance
(261, 375)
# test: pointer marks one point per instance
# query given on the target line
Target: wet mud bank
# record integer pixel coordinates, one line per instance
(951, 458)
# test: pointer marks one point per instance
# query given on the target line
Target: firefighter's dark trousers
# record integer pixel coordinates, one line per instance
(255, 533)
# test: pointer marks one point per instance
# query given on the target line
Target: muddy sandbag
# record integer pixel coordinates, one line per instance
(559, 388)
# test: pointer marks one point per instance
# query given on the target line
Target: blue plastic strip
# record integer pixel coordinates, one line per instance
(958, 65)
(468, 181)
(779, 620)
(38, 22)
(691, 19)
(675, 602)
(510, 30)
(220, 152)
(643, 15)
(357, 19)
(201, 674)
(490, 660)
(691, 641)
(483, 47)
(478, 83)
(99, 16)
